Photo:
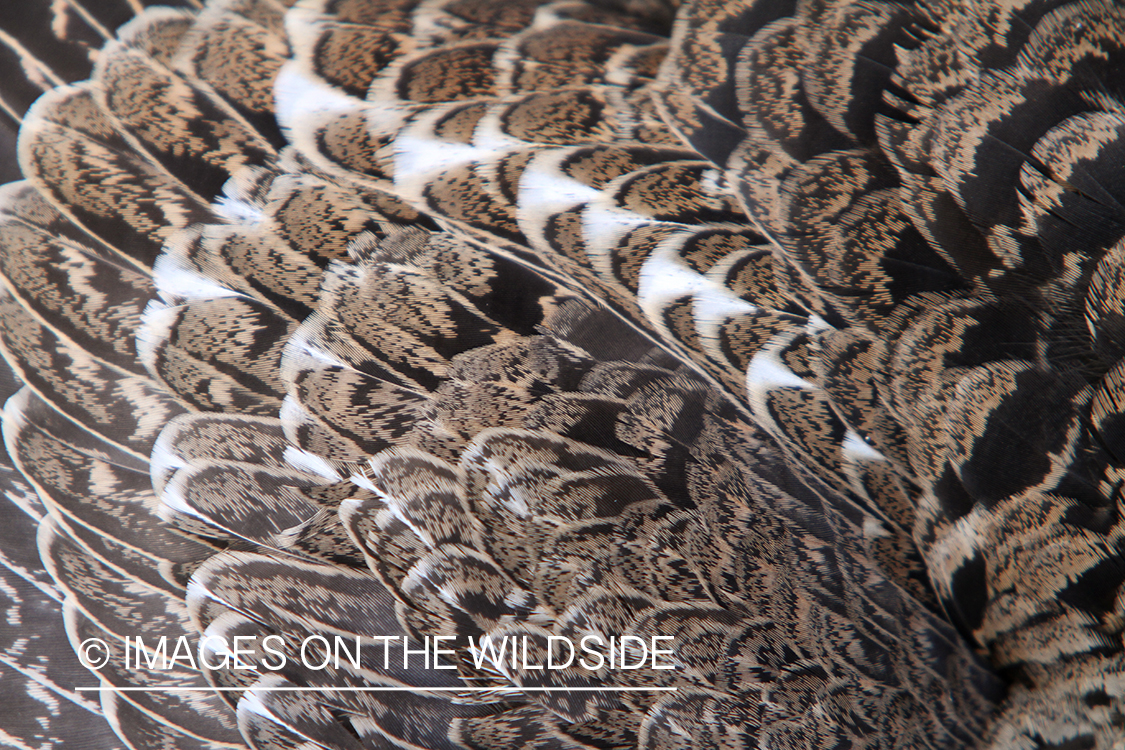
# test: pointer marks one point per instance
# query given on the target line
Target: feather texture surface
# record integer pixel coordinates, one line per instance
(785, 333)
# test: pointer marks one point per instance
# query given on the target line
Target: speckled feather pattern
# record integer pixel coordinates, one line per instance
(790, 330)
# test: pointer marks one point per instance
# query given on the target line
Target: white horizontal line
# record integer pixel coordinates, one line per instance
(294, 689)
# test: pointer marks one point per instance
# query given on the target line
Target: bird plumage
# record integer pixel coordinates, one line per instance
(788, 330)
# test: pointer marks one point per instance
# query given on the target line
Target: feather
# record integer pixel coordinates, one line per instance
(362, 356)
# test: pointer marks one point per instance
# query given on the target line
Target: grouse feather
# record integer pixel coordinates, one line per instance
(788, 330)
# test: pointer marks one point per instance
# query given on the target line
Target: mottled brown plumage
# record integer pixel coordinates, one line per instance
(789, 330)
